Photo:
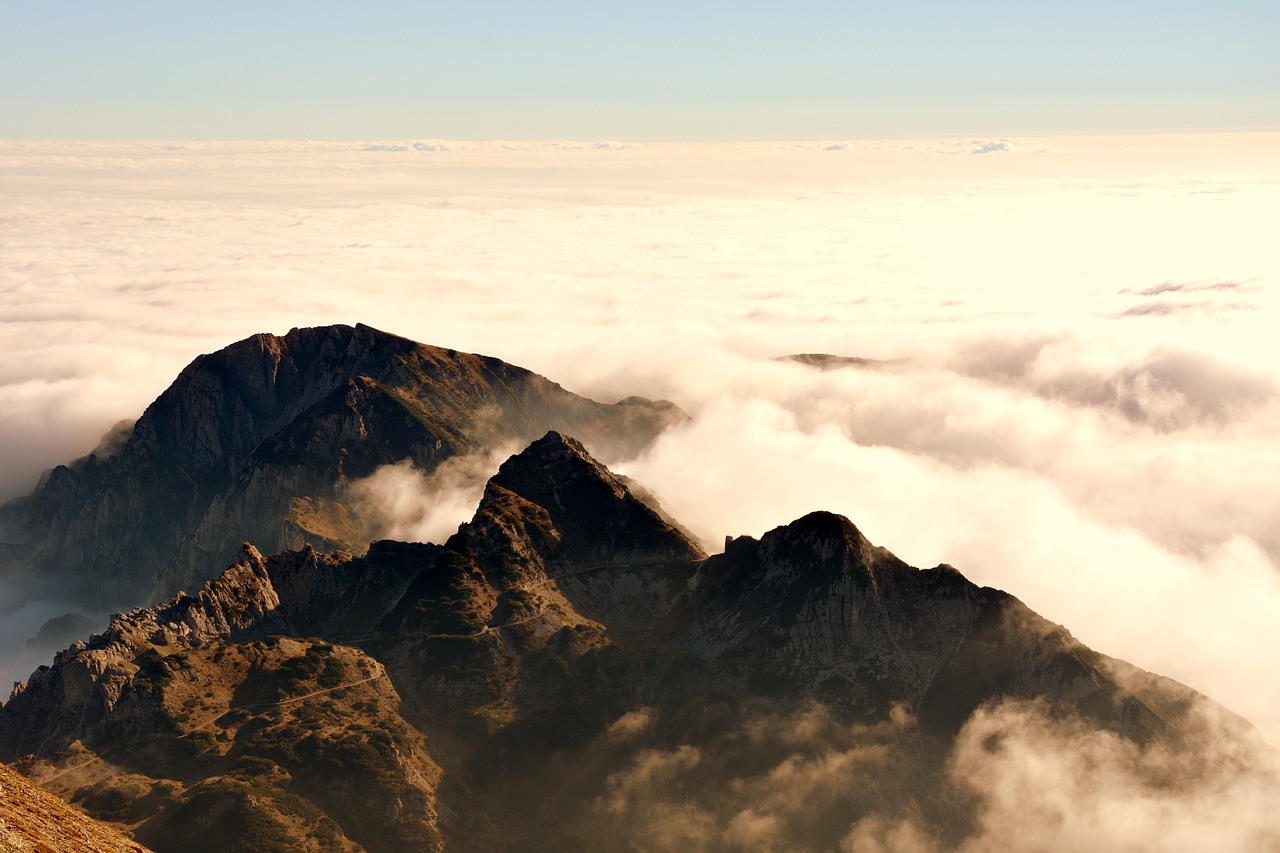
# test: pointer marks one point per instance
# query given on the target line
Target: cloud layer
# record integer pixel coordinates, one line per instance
(1079, 403)
(1018, 778)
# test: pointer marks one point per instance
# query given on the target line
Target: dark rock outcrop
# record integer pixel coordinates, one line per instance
(225, 713)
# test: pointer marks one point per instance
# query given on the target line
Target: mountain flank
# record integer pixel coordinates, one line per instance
(34, 821)
(569, 671)
(261, 441)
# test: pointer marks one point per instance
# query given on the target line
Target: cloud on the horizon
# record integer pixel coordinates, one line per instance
(1168, 388)
(1186, 287)
(991, 147)
(1160, 309)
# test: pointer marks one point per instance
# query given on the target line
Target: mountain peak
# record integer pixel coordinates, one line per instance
(818, 526)
(591, 505)
(538, 472)
(825, 542)
(258, 440)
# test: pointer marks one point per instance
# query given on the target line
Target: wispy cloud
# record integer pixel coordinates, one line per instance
(1161, 309)
(1186, 287)
(1019, 777)
(398, 501)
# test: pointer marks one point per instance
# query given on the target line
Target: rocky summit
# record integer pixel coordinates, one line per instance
(569, 671)
(261, 441)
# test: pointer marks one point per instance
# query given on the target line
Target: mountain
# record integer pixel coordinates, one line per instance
(568, 671)
(262, 441)
(34, 821)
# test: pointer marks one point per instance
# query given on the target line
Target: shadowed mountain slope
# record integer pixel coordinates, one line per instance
(259, 441)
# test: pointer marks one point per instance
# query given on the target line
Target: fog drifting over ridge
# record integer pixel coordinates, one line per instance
(1079, 402)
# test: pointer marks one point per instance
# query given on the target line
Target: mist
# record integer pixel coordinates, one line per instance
(399, 501)
(754, 778)
(33, 630)
(1076, 393)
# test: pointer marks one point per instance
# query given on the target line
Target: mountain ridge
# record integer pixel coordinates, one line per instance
(565, 598)
(259, 441)
(569, 669)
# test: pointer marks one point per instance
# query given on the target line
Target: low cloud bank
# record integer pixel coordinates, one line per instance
(1205, 615)
(1050, 784)
(1118, 473)
(1017, 777)
(749, 779)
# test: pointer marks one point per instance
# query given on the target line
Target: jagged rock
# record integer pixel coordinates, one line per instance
(299, 742)
(814, 603)
(598, 516)
(565, 635)
(259, 440)
(302, 593)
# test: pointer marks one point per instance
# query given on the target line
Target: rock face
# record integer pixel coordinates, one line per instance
(260, 440)
(567, 660)
(208, 722)
(34, 821)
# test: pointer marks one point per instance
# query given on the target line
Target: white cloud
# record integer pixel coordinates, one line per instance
(401, 502)
(1119, 475)
(1188, 287)
(991, 147)
(1052, 785)
(630, 725)
(1018, 778)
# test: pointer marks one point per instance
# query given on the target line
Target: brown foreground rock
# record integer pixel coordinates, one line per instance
(34, 821)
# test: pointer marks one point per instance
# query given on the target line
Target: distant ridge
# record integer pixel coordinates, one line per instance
(825, 361)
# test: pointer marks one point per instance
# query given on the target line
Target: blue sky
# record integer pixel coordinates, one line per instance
(658, 70)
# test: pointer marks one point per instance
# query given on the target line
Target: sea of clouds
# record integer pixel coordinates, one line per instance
(1073, 392)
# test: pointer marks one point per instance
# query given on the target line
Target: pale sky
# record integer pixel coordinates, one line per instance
(696, 69)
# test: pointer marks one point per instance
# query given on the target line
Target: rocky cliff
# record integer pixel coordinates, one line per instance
(260, 441)
(223, 716)
(568, 671)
